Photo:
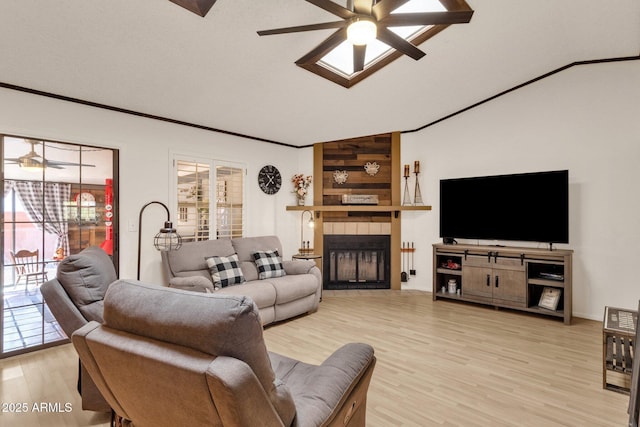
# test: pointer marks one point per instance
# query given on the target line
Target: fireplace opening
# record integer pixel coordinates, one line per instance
(356, 262)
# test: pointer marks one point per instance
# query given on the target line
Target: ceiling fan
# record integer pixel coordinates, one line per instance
(373, 18)
(34, 161)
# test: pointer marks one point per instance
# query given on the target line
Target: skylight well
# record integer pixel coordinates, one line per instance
(370, 34)
(340, 59)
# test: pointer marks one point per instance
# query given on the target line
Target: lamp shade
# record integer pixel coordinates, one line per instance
(361, 31)
(167, 238)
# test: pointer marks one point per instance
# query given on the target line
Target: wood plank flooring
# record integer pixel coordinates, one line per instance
(439, 364)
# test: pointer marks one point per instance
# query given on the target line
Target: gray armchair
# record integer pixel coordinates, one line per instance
(75, 297)
(168, 357)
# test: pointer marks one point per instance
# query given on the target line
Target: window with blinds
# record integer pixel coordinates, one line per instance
(209, 206)
(229, 197)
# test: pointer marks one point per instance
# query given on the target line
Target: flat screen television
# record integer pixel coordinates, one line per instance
(531, 207)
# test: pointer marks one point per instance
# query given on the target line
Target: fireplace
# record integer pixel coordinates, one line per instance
(356, 261)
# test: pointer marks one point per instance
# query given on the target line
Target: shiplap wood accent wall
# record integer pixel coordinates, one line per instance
(351, 155)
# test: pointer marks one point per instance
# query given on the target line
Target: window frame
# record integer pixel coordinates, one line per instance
(212, 164)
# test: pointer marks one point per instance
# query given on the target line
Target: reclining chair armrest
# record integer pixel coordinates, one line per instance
(79, 340)
(232, 381)
(70, 319)
(66, 313)
(353, 356)
(357, 361)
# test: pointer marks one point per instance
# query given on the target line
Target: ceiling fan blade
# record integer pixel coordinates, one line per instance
(383, 8)
(58, 165)
(398, 43)
(358, 57)
(323, 48)
(427, 18)
(199, 7)
(301, 28)
(333, 8)
(362, 7)
(53, 166)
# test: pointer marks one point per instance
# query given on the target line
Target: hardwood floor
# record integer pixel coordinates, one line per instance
(439, 363)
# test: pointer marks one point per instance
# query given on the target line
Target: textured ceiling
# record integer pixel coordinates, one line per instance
(154, 57)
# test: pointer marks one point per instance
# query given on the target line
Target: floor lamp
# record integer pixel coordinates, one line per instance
(167, 238)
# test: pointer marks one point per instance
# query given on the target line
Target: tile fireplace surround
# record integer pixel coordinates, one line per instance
(356, 255)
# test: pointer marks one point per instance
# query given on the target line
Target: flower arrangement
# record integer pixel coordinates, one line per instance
(301, 184)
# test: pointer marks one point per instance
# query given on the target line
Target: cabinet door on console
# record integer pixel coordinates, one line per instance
(509, 287)
(476, 283)
(494, 280)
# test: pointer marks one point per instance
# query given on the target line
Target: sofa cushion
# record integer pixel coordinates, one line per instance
(85, 277)
(225, 270)
(249, 270)
(269, 264)
(246, 246)
(190, 259)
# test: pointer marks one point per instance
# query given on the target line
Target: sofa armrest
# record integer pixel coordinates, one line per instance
(301, 266)
(234, 388)
(192, 283)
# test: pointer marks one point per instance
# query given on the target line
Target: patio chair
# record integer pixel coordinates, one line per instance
(27, 266)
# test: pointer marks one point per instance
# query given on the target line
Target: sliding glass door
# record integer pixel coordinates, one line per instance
(59, 198)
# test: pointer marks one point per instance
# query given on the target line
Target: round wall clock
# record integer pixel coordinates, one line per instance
(269, 179)
(84, 198)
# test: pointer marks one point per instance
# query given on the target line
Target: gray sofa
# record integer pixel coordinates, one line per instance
(297, 292)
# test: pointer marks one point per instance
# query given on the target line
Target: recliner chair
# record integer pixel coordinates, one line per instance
(75, 297)
(168, 357)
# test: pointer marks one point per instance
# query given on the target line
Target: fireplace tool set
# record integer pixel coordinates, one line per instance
(407, 252)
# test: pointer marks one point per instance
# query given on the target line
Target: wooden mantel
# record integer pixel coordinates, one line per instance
(359, 208)
(351, 155)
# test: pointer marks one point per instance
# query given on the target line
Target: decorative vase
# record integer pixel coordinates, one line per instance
(301, 199)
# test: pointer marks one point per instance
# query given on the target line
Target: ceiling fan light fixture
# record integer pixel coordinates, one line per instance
(31, 165)
(362, 31)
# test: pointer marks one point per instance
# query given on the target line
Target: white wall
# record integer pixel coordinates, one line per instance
(585, 119)
(145, 147)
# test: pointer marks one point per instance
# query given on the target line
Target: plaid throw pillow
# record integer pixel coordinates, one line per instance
(225, 271)
(269, 264)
